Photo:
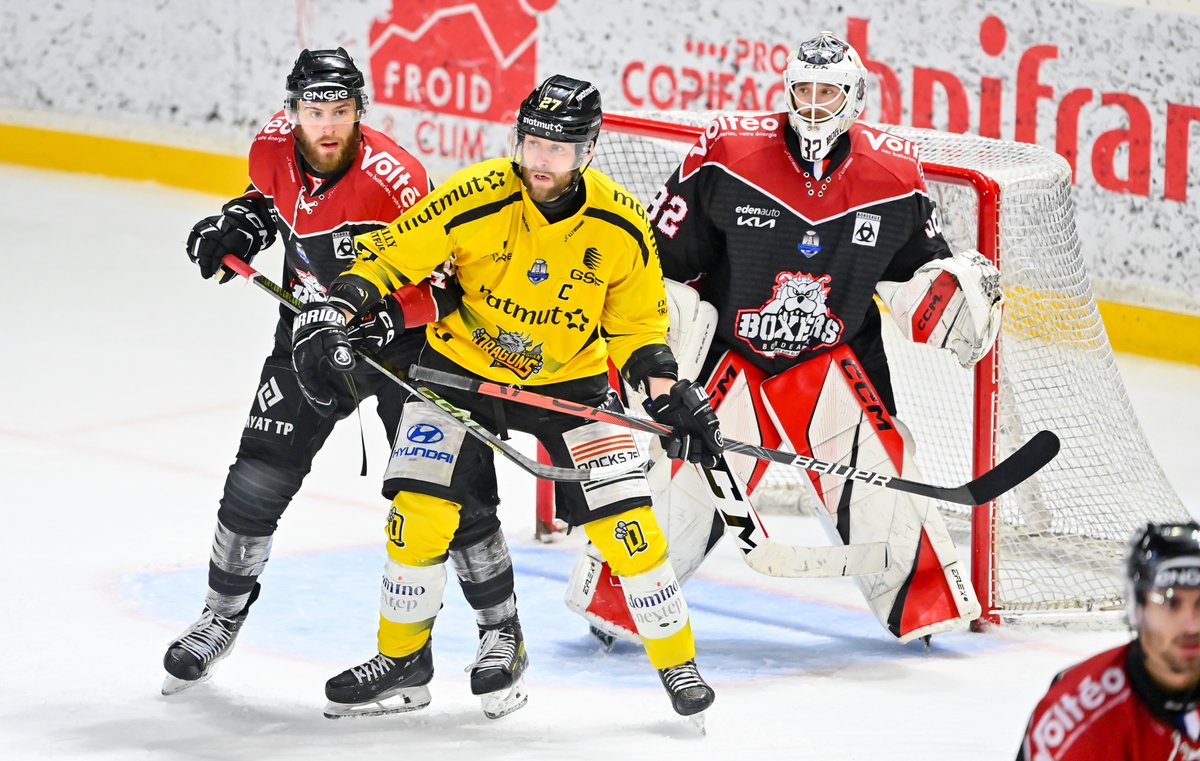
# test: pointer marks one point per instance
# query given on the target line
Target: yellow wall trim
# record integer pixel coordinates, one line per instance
(124, 159)
(1134, 329)
(1151, 332)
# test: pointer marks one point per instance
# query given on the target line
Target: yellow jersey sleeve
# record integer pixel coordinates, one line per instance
(422, 238)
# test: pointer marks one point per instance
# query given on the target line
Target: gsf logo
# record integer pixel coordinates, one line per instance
(587, 277)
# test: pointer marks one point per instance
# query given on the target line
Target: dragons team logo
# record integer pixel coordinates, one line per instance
(512, 350)
(796, 318)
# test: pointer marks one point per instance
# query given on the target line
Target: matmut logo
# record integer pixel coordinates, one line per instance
(475, 59)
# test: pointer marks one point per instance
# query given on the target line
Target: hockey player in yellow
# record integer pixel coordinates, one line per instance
(560, 272)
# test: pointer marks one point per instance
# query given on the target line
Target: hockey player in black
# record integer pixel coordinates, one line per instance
(311, 187)
(789, 224)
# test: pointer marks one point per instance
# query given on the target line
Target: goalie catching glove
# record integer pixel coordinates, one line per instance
(243, 228)
(951, 303)
(697, 433)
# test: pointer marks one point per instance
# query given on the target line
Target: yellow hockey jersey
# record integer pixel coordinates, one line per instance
(542, 303)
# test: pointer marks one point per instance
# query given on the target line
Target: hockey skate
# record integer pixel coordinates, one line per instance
(382, 685)
(690, 694)
(190, 658)
(496, 674)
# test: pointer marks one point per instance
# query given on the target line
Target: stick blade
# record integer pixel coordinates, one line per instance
(1034, 455)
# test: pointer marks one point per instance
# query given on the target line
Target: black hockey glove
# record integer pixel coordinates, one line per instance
(323, 359)
(697, 434)
(378, 327)
(243, 228)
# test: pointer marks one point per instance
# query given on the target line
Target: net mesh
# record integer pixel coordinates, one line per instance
(1058, 540)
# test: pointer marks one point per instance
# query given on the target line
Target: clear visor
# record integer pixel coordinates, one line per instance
(816, 102)
(317, 113)
(550, 156)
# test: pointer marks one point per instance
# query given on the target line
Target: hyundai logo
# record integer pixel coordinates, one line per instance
(424, 433)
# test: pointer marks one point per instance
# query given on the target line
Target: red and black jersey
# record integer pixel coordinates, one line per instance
(1108, 708)
(317, 218)
(791, 259)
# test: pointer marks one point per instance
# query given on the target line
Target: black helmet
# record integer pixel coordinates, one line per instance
(325, 75)
(562, 109)
(1162, 556)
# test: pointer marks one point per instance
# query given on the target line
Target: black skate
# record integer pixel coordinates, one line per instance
(690, 694)
(381, 686)
(190, 658)
(496, 674)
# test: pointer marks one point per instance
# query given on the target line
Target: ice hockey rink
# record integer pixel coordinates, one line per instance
(127, 380)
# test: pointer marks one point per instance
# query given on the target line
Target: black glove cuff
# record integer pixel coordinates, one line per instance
(353, 293)
(653, 361)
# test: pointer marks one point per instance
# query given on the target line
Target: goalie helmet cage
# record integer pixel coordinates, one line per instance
(1053, 548)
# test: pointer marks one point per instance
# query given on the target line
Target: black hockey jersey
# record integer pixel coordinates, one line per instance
(791, 260)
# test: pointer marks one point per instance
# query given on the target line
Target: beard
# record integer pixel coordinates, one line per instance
(328, 163)
(543, 193)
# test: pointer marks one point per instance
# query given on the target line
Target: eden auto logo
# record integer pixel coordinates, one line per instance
(476, 59)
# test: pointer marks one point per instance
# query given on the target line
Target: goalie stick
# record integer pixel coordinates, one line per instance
(1007, 474)
(444, 408)
(772, 558)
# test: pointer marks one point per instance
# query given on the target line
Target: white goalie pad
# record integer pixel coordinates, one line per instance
(693, 323)
(951, 303)
(827, 408)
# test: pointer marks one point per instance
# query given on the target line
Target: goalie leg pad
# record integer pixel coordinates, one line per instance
(828, 409)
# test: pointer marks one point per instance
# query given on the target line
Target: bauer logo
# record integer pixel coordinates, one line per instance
(1073, 711)
(475, 59)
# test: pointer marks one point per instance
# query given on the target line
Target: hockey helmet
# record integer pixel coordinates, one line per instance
(1162, 557)
(820, 118)
(562, 110)
(325, 76)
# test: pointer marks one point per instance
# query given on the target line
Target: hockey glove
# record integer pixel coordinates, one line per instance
(243, 228)
(378, 327)
(697, 434)
(322, 356)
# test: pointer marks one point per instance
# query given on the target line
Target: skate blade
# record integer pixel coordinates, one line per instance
(172, 685)
(501, 703)
(697, 720)
(402, 701)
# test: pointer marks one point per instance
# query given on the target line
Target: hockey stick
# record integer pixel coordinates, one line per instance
(771, 558)
(1007, 474)
(443, 407)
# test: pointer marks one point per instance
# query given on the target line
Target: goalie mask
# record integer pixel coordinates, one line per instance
(825, 89)
(324, 77)
(564, 114)
(1162, 557)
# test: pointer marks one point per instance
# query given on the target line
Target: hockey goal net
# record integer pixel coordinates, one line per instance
(1054, 547)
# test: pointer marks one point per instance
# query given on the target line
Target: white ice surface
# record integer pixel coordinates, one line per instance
(125, 384)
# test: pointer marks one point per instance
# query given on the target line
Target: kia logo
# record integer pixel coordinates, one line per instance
(424, 433)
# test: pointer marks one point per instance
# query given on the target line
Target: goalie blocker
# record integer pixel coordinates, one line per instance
(827, 408)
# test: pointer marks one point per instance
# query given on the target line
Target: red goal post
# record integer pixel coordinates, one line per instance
(1053, 548)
